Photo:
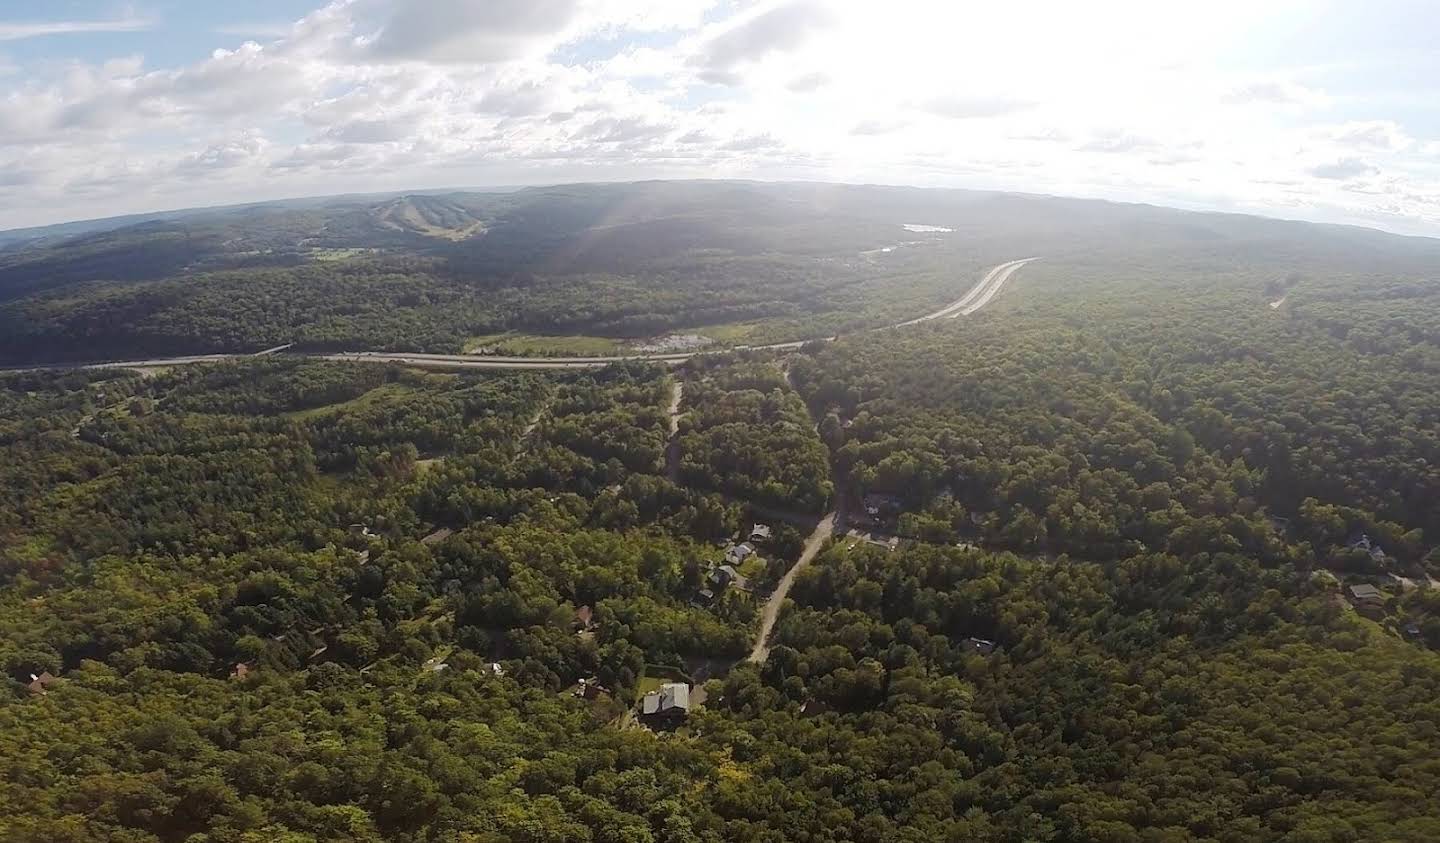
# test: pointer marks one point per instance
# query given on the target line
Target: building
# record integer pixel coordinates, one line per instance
(738, 553)
(240, 671)
(760, 533)
(40, 685)
(584, 619)
(1363, 543)
(671, 702)
(438, 536)
(726, 576)
(1365, 594)
(979, 646)
(880, 507)
(590, 689)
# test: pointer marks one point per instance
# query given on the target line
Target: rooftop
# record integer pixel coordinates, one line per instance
(672, 697)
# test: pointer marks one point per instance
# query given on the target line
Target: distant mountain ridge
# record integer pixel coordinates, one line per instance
(430, 271)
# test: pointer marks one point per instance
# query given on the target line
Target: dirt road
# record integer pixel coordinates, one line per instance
(823, 531)
(672, 447)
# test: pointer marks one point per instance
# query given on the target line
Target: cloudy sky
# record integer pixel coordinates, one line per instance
(1314, 109)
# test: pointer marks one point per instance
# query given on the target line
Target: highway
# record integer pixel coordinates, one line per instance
(977, 297)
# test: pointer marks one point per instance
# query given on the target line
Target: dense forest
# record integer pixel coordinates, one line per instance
(1144, 551)
(734, 262)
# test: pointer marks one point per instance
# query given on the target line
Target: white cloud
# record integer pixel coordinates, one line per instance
(1372, 135)
(1117, 98)
(15, 31)
(1271, 92)
(878, 127)
(469, 32)
(967, 107)
(776, 29)
(1344, 169)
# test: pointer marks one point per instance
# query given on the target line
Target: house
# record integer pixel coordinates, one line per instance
(814, 708)
(726, 576)
(584, 619)
(1365, 594)
(739, 553)
(590, 689)
(1364, 543)
(40, 685)
(496, 669)
(1412, 630)
(979, 646)
(879, 506)
(760, 533)
(438, 536)
(240, 671)
(671, 702)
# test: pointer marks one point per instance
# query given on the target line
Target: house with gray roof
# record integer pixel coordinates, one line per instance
(670, 702)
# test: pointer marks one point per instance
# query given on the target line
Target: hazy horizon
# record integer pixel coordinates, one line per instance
(510, 188)
(1315, 111)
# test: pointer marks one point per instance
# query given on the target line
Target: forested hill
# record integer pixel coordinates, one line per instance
(1145, 550)
(728, 260)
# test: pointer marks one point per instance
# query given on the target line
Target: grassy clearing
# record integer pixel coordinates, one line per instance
(580, 346)
(732, 334)
(385, 392)
(646, 685)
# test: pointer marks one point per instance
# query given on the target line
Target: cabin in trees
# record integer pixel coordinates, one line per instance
(1366, 596)
(438, 536)
(979, 646)
(726, 576)
(761, 533)
(736, 554)
(880, 509)
(584, 620)
(590, 689)
(670, 704)
(720, 577)
(40, 685)
(1363, 543)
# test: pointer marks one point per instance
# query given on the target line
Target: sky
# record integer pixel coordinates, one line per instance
(1324, 110)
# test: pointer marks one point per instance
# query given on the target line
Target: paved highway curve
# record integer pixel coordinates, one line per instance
(977, 297)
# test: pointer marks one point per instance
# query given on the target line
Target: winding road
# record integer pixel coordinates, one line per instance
(975, 298)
